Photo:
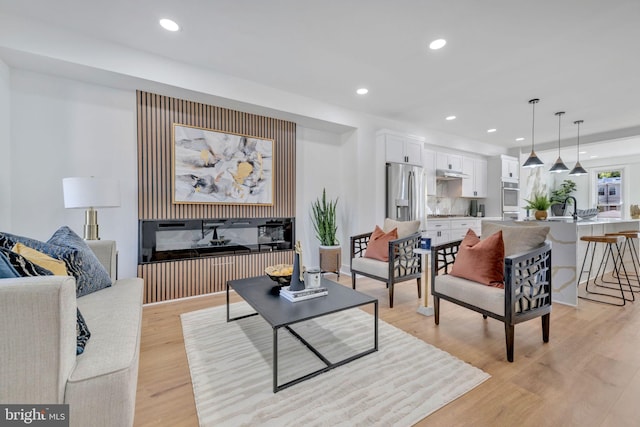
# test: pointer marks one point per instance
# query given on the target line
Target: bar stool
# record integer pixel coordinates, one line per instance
(610, 242)
(630, 245)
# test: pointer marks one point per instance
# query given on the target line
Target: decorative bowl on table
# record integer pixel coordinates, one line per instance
(587, 213)
(281, 274)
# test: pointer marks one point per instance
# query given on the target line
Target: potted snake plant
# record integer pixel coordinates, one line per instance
(323, 217)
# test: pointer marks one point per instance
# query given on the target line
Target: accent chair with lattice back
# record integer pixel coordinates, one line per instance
(402, 262)
(525, 292)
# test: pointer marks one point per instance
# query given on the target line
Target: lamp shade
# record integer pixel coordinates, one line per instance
(90, 192)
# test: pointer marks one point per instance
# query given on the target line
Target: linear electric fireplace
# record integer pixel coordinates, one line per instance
(167, 240)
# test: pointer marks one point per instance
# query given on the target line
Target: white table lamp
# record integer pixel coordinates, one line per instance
(90, 193)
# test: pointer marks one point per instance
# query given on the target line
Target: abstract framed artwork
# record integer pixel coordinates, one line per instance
(211, 166)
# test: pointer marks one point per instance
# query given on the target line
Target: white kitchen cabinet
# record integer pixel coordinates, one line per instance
(476, 184)
(446, 230)
(430, 171)
(438, 231)
(510, 168)
(451, 162)
(460, 227)
(399, 149)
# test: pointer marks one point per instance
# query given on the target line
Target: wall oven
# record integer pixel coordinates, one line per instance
(510, 198)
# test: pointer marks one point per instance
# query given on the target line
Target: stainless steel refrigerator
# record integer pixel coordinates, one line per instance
(405, 192)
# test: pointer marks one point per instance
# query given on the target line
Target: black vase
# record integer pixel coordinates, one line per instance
(296, 284)
(558, 210)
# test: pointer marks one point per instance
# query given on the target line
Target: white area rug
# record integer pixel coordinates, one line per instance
(231, 370)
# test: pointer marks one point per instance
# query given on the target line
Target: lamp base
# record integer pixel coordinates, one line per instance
(91, 224)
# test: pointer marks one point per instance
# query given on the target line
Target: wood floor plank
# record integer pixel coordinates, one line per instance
(587, 375)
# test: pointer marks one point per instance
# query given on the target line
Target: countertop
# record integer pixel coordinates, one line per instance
(440, 217)
(580, 222)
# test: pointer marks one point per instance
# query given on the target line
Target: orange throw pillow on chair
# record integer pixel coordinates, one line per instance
(378, 246)
(481, 260)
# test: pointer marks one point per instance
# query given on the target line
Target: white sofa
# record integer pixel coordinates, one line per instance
(38, 362)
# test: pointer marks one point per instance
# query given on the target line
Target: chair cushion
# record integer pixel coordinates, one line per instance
(378, 246)
(481, 261)
(405, 228)
(517, 238)
(488, 298)
(371, 266)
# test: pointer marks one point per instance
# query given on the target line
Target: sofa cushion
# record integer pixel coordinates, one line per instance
(517, 238)
(56, 266)
(405, 228)
(481, 261)
(90, 274)
(378, 245)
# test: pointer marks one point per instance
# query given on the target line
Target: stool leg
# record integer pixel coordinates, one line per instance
(618, 265)
(608, 252)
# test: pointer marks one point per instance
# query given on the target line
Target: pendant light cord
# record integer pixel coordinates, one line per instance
(533, 122)
(533, 103)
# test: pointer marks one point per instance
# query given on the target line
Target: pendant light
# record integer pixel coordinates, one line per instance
(533, 161)
(559, 165)
(578, 169)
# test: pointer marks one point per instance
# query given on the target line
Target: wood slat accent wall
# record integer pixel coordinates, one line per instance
(156, 115)
(185, 278)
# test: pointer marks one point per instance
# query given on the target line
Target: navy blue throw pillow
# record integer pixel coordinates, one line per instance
(90, 274)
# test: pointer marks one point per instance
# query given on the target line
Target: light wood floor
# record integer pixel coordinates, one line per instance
(587, 375)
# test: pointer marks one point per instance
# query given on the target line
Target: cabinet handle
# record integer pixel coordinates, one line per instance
(510, 175)
(439, 233)
(450, 166)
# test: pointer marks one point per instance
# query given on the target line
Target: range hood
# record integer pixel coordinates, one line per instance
(446, 175)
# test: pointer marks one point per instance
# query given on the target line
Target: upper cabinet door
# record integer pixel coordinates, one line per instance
(452, 162)
(394, 147)
(480, 176)
(413, 152)
(430, 171)
(468, 184)
(510, 168)
(403, 150)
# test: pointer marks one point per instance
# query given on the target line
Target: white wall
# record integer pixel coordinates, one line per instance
(5, 147)
(62, 128)
(313, 173)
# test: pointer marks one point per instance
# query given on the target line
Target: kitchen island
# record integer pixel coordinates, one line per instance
(568, 250)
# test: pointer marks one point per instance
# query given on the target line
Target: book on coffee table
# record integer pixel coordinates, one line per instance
(303, 294)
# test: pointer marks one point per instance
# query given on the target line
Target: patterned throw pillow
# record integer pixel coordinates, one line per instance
(25, 268)
(90, 274)
(6, 269)
(78, 257)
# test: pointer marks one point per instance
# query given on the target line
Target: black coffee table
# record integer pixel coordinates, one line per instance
(281, 313)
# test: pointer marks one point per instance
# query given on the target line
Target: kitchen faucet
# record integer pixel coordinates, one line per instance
(575, 207)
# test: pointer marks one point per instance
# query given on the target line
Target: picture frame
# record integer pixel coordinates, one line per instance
(212, 166)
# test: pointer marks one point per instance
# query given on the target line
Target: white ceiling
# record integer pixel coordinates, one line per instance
(578, 56)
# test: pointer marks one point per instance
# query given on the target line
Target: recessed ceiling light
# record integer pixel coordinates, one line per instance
(362, 91)
(169, 25)
(593, 157)
(437, 44)
(491, 130)
(450, 118)
(519, 139)
(582, 152)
